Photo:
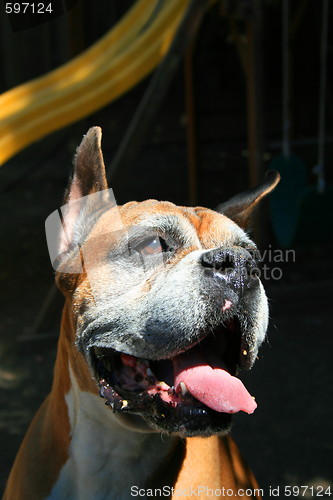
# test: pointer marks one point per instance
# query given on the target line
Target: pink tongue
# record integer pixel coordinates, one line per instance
(214, 387)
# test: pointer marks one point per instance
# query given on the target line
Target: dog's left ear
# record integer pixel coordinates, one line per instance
(240, 208)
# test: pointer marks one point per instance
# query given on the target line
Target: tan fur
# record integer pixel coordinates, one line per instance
(216, 463)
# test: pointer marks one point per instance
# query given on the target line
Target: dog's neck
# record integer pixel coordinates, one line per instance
(97, 438)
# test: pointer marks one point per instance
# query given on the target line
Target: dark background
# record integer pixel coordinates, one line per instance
(288, 441)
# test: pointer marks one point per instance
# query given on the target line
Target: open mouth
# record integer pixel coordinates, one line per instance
(199, 380)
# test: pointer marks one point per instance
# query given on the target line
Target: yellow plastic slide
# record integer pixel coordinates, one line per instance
(117, 62)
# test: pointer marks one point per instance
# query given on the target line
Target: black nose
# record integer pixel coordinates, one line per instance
(236, 267)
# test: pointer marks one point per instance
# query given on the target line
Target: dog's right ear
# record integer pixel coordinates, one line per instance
(86, 199)
(89, 170)
(88, 177)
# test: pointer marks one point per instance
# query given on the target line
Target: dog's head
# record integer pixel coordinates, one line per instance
(166, 300)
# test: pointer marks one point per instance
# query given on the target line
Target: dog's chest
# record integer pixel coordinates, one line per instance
(105, 459)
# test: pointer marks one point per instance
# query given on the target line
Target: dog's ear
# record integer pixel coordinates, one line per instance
(80, 201)
(89, 169)
(240, 208)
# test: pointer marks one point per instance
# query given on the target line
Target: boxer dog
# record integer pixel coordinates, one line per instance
(163, 306)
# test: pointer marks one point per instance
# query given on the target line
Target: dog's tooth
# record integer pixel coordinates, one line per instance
(183, 388)
(163, 385)
(149, 372)
(125, 403)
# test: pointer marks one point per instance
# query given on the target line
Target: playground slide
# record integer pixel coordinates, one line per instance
(117, 62)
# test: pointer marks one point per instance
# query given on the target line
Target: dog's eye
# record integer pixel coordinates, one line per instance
(151, 247)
